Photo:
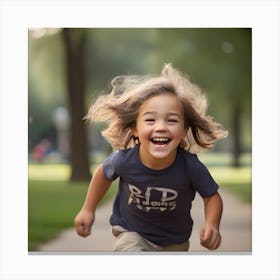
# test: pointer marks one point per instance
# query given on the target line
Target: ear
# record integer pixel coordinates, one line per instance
(134, 131)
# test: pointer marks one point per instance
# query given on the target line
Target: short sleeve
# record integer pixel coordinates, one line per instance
(110, 166)
(201, 179)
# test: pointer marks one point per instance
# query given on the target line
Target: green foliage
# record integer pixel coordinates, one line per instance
(217, 59)
(113, 52)
(46, 85)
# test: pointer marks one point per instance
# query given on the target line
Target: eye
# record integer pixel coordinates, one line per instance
(172, 120)
(149, 120)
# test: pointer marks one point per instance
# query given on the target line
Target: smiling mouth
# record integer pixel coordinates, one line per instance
(161, 141)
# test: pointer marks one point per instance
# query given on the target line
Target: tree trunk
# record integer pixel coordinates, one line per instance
(236, 127)
(75, 40)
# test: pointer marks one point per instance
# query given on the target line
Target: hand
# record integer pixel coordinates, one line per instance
(210, 237)
(83, 222)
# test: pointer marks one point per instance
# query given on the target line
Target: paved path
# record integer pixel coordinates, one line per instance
(235, 229)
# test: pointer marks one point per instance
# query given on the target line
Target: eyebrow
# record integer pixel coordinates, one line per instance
(149, 113)
(169, 114)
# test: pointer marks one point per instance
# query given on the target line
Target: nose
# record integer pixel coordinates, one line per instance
(160, 125)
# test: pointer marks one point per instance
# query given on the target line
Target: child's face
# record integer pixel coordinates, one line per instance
(160, 129)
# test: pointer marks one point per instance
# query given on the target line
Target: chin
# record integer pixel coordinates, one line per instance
(161, 154)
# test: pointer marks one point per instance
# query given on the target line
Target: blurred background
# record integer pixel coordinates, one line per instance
(69, 67)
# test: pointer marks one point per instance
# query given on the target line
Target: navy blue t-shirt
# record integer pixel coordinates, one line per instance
(157, 203)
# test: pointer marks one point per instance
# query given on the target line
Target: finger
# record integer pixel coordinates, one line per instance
(80, 229)
(207, 237)
(87, 230)
(83, 230)
(202, 232)
(211, 245)
(215, 242)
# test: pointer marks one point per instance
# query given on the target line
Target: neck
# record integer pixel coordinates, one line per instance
(156, 163)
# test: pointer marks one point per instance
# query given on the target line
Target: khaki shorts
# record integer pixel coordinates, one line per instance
(130, 241)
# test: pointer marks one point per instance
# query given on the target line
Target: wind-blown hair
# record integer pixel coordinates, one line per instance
(120, 107)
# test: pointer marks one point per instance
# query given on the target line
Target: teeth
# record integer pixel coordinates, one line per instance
(160, 139)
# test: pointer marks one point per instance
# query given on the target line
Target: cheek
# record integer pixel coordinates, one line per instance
(143, 132)
(184, 131)
(140, 130)
(181, 133)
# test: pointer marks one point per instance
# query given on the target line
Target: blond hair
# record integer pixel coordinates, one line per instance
(119, 109)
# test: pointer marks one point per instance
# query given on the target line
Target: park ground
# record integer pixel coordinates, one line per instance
(235, 230)
(54, 202)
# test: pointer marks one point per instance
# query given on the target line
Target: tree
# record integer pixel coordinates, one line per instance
(219, 60)
(75, 42)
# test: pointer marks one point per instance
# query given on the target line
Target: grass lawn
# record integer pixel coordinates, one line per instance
(53, 201)
(235, 180)
(52, 206)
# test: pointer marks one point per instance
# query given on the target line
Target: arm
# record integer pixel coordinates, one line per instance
(98, 186)
(209, 235)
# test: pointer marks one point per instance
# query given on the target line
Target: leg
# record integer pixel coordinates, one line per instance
(129, 241)
(184, 246)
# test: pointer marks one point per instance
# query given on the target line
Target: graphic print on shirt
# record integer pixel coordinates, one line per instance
(156, 198)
